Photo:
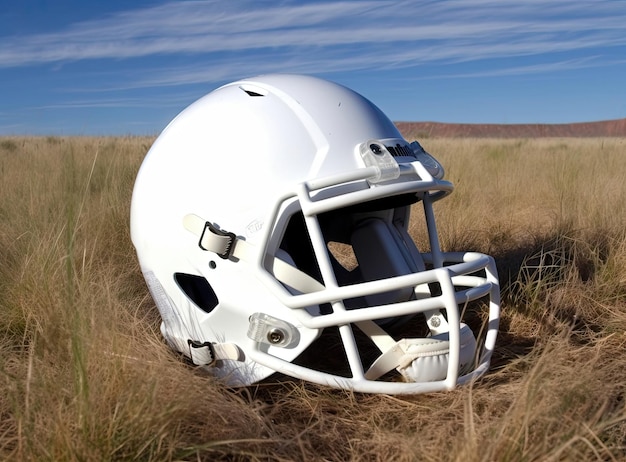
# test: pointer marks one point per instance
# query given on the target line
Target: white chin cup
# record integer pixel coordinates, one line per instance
(426, 359)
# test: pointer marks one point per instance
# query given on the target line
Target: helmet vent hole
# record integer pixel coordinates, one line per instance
(253, 90)
(198, 290)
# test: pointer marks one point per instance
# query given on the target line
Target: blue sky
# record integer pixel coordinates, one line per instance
(94, 67)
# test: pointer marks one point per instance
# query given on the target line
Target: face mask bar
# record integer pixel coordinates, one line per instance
(454, 272)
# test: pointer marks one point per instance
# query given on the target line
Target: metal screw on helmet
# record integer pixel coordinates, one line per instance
(276, 336)
(376, 149)
(269, 330)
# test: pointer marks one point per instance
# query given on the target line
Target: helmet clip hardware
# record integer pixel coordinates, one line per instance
(276, 335)
(375, 154)
(201, 352)
(272, 331)
(227, 244)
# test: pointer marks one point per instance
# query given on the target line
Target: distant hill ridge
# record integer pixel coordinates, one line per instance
(605, 128)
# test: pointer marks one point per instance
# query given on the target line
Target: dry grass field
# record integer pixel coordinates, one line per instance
(85, 376)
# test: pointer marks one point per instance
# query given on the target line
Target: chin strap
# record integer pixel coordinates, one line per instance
(207, 353)
(400, 355)
(417, 359)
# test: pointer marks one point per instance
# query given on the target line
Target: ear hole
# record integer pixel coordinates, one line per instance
(198, 290)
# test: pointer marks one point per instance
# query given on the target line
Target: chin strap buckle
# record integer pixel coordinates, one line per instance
(201, 353)
(223, 243)
(218, 241)
(208, 353)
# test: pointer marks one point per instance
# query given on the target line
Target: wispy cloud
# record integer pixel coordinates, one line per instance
(592, 61)
(326, 36)
(117, 103)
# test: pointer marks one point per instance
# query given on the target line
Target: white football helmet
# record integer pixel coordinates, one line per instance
(238, 210)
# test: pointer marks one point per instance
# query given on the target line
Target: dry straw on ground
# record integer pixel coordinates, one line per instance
(85, 375)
